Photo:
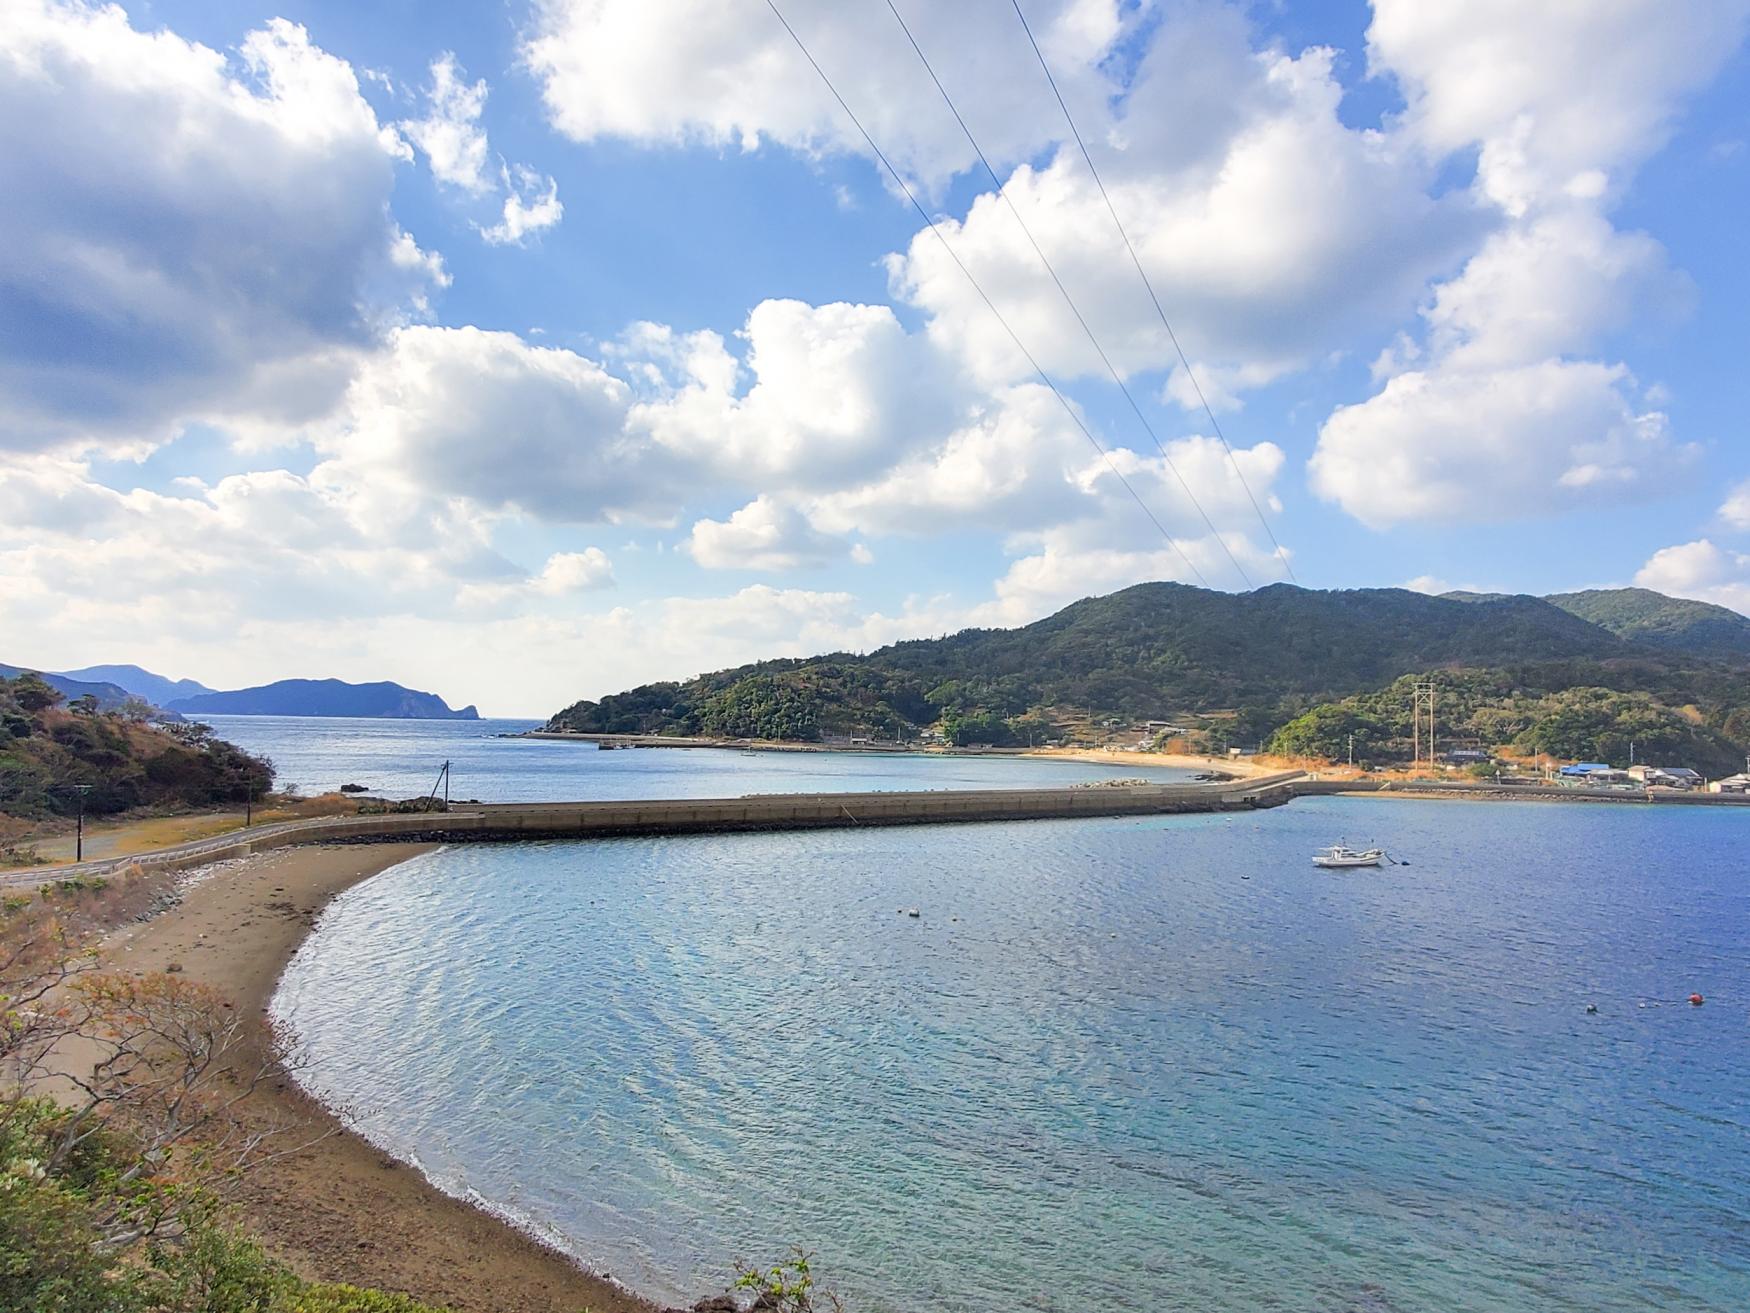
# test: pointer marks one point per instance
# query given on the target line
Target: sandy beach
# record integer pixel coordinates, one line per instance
(342, 1210)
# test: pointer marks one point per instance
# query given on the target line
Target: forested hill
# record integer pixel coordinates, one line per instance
(56, 756)
(1675, 623)
(1155, 651)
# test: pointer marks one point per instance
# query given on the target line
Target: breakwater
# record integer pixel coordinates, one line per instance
(486, 822)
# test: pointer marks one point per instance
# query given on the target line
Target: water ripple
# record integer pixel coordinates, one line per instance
(1099, 1067)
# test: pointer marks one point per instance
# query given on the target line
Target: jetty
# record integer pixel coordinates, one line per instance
(516, 821)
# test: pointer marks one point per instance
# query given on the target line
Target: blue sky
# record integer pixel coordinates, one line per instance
(526, 351)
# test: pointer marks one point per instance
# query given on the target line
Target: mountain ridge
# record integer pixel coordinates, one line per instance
(1163, 650)
(156, 689)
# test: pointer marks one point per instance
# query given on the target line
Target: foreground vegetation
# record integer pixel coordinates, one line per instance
(1622, 665)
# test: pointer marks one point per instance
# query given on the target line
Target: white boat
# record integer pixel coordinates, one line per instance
(1341, 856)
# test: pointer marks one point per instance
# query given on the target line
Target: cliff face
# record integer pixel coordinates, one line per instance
(325, 697)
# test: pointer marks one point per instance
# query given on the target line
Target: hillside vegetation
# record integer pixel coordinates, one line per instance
(1260, 660)
(1503, 709)
(49, 749)
(1675, 623)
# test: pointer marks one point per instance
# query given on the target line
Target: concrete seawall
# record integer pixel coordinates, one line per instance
(796, 811)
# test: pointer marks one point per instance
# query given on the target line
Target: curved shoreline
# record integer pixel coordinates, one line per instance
(342, 1209)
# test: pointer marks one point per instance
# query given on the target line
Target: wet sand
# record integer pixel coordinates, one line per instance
(342, 1210)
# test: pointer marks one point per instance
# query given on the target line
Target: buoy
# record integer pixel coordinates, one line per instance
(1695, 1000)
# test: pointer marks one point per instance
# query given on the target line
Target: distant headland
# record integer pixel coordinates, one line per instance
(112, 685)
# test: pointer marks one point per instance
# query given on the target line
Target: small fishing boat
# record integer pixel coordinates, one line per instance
(1341, 856)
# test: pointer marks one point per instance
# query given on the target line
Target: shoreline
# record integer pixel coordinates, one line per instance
(1236, 767)
(342, 1209)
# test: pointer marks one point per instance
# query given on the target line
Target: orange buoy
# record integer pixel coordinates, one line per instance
(1695, 1000)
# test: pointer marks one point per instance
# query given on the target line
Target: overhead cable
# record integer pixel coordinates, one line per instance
(1184, 361)
(953, 255)
(1069, 300)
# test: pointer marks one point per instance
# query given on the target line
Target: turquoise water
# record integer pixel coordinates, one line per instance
(1165, 1062)
(400, 758)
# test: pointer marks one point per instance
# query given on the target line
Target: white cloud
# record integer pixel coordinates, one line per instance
(833, 392)
(489, 421)
(672, 71)
(1563, 99)
(763, 535)
(1700, 570)
(1551, 286)
(1735, 510)
(1271, 232)
(531, 203)
(1432, 585)
(1493, 414)
(1493, 444)
(456, 147)
(183, 238)
(450, 133)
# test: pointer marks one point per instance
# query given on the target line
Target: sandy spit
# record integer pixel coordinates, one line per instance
(342, 1210)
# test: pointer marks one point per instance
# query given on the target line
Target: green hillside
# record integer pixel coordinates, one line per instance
(1532, 711)
(1251, 662)
(1679, 624)
(49, 751)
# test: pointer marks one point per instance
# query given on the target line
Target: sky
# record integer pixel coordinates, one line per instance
(527, 350)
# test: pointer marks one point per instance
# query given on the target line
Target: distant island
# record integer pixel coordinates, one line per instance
(324, 697)
(1601, 675)
(115, 687)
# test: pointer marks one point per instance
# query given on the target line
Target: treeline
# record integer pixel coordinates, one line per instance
(53, 752)
(1531, 711)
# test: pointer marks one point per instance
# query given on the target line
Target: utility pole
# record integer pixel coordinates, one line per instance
(248, 803)
(1351, 749)
(1422, 707)
(79, 825)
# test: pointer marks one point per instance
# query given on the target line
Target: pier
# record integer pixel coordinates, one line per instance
(513, 821)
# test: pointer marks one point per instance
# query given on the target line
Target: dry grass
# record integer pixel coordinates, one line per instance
(126, 836)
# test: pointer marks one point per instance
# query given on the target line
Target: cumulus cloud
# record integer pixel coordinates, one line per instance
(456, 147)
(1563, 100)
(1456, 445)
(1735, 510)
(763, 535)
(1494, 412)
(1701, 570)
(185, 237)
(490, 421)
(671, 71)
(531, 203)
(1270, 230)
(450, 134)
(828, 393)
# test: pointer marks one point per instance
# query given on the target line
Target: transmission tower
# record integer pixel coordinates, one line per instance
(1422, 719)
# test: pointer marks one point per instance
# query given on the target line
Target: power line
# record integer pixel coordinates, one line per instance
(1118, 223)
(1064, 291)
(985, 297)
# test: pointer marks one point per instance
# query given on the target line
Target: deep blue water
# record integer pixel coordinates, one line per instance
(401, 758)
(1164, 1062)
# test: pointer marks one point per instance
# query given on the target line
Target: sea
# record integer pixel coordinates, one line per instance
(488, 763)
(1156, 1063)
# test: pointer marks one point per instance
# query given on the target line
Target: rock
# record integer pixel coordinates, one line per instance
(173, 968)
(717, 1304)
